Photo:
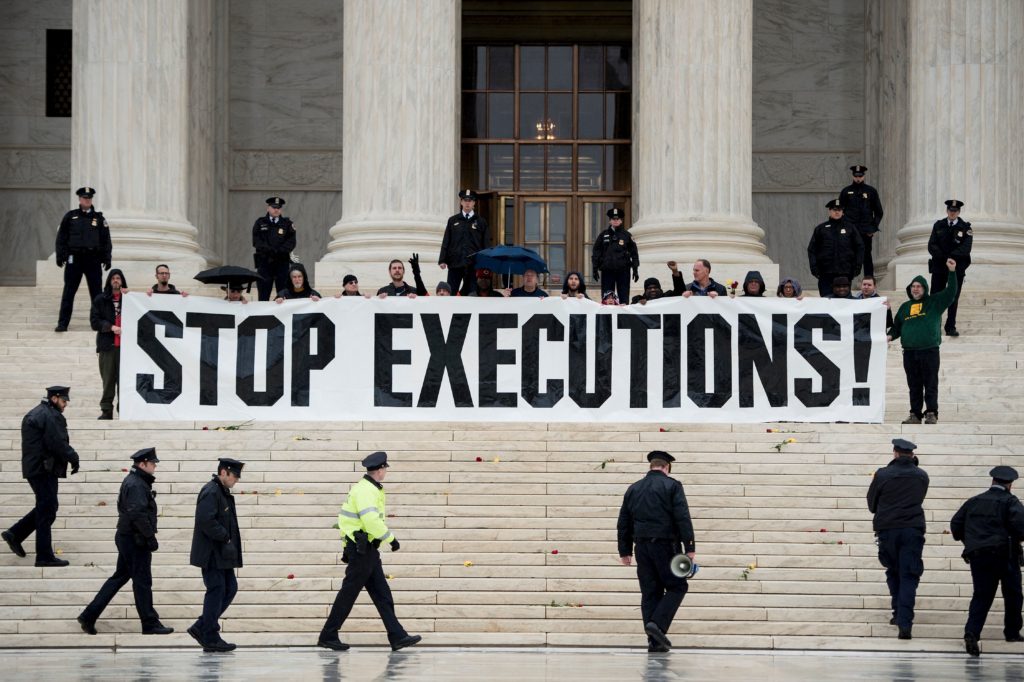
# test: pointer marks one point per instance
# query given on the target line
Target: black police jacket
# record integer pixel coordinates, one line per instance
(273, 241)
(45, 446)
(861, 206)
(836, 247)
(462, 238)
(989, 523)
(896, 494)
(655, 508)
(216, 540)
(614, 251)
(83, 233)
(136, 505)
(948, 242)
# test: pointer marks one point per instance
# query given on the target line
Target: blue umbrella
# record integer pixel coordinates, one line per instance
(510, 260)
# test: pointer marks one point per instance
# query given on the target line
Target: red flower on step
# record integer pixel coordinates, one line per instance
(206, 428)
(662, 430)
(554, 551)
(824, 530)
(291, 576)
(840, 542)
(479, 459)
(124, 470)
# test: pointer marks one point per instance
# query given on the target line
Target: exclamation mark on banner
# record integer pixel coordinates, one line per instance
(861, 357)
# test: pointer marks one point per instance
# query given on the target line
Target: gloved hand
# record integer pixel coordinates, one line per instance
(60, 262)
(597, 275)
(152, 544)
(395, 545)
(74, 469)
(106, 265)
(636, 275)
(362, 542)
(415, 263)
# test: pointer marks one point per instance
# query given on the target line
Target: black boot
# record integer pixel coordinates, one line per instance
(971, 645)
(88, 626)
(905, 633)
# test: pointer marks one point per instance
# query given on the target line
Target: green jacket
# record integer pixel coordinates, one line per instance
(919, 323)
(364, 510)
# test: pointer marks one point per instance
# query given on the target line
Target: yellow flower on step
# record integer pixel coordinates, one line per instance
(467, 564)
(791, 440)
(389, 576)
(497, 459)
(59, 551)
(751, 567)
(277, 493)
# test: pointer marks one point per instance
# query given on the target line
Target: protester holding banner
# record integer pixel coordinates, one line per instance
(753, 285)
(836, 249)
(105, 318)
(918, 324)
(574, 286)
(397, 286)
(703, 284)
(233, 293)
(531, 287)
(840, 288)
(895, 496)
(789, 288)
(485, 285)
(298, 286)
(656, 519)
(363, 530)
(350, 287)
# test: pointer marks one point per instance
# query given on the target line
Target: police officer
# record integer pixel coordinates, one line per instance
(654, 516)
(863, 210)
(273, 237)
(895, 497)
(464, 235)
(363, 530)
(46, 453)
(836, 249)
(136, 541)
(83, 245)
(614, 255)
(950, 238)
(217, 550)
(991, 526)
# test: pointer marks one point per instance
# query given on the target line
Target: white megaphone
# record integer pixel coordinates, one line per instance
(683, 566)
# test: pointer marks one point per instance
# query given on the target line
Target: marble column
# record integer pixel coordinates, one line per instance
(142, 122)
(965, 128)
(692, 151)
(400, 141)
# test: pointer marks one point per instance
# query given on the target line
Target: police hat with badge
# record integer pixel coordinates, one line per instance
(1004, 474)
(232, 466)
(86, 192)
(834, 205)
(145, 455)
(954, 205)
(275, 202)
(63, 392)
(858, 171)
(468, 195)
(378, 460)
(615, 214)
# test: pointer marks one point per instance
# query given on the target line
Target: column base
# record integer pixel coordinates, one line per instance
(719, 241)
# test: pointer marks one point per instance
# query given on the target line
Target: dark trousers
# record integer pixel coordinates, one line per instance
(922, 368)
(221, 588)
(364, 570)
(661, 591)
(110, 371)
(939, 283)
(617, 281)
(869, 262)
(133, 563)
(899, 550)
(274, 272)
(988, 572)
(464, 278)
(41, 518)
(81, 264)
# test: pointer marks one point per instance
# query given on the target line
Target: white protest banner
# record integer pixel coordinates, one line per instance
(525, 359)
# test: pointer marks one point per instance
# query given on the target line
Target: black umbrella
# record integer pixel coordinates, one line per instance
(229, 275)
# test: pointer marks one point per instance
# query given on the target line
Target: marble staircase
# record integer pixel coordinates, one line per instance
(508, 530)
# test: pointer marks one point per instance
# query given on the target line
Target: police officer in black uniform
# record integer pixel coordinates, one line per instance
(836, 249)
(136, 541)
(614, 255)
(991, 526)
(655, 517)
(951, 237)
(464, 235)
(895, 497)
(45, 455)
(863, 209)
(83, 245)
(273, 237)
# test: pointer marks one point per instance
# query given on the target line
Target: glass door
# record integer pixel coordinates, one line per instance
(543, 227)
(593, 214)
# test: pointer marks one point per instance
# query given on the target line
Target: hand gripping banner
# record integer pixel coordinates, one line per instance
(469, 359)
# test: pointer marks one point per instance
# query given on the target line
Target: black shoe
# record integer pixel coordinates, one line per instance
(905, 633)
(13, 544)
(408, 640)
(219, 646)
(193, 632)
(60, 328)
(88, 626)
(1015, 638)
(106, 415)
(971, 645)
(952, 332)
(157, 630)
(892, 621)
(657, 649)
(52, 563)
(332, 644)
(655, 633)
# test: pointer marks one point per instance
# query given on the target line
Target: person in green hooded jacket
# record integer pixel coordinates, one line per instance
(918, 323)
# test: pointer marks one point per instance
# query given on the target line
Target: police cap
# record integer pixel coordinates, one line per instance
(615, 213)
(834, 204)
(145, 455)
(87, 192)
(659, 454)
(858, 170)
(954, 204)
(903, 445)
(376, 461)
(60, 391)
(233, 466)
(468, 194)
(275, 202)
(1004, 473)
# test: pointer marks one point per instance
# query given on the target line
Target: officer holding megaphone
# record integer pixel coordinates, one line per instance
(656, 519)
